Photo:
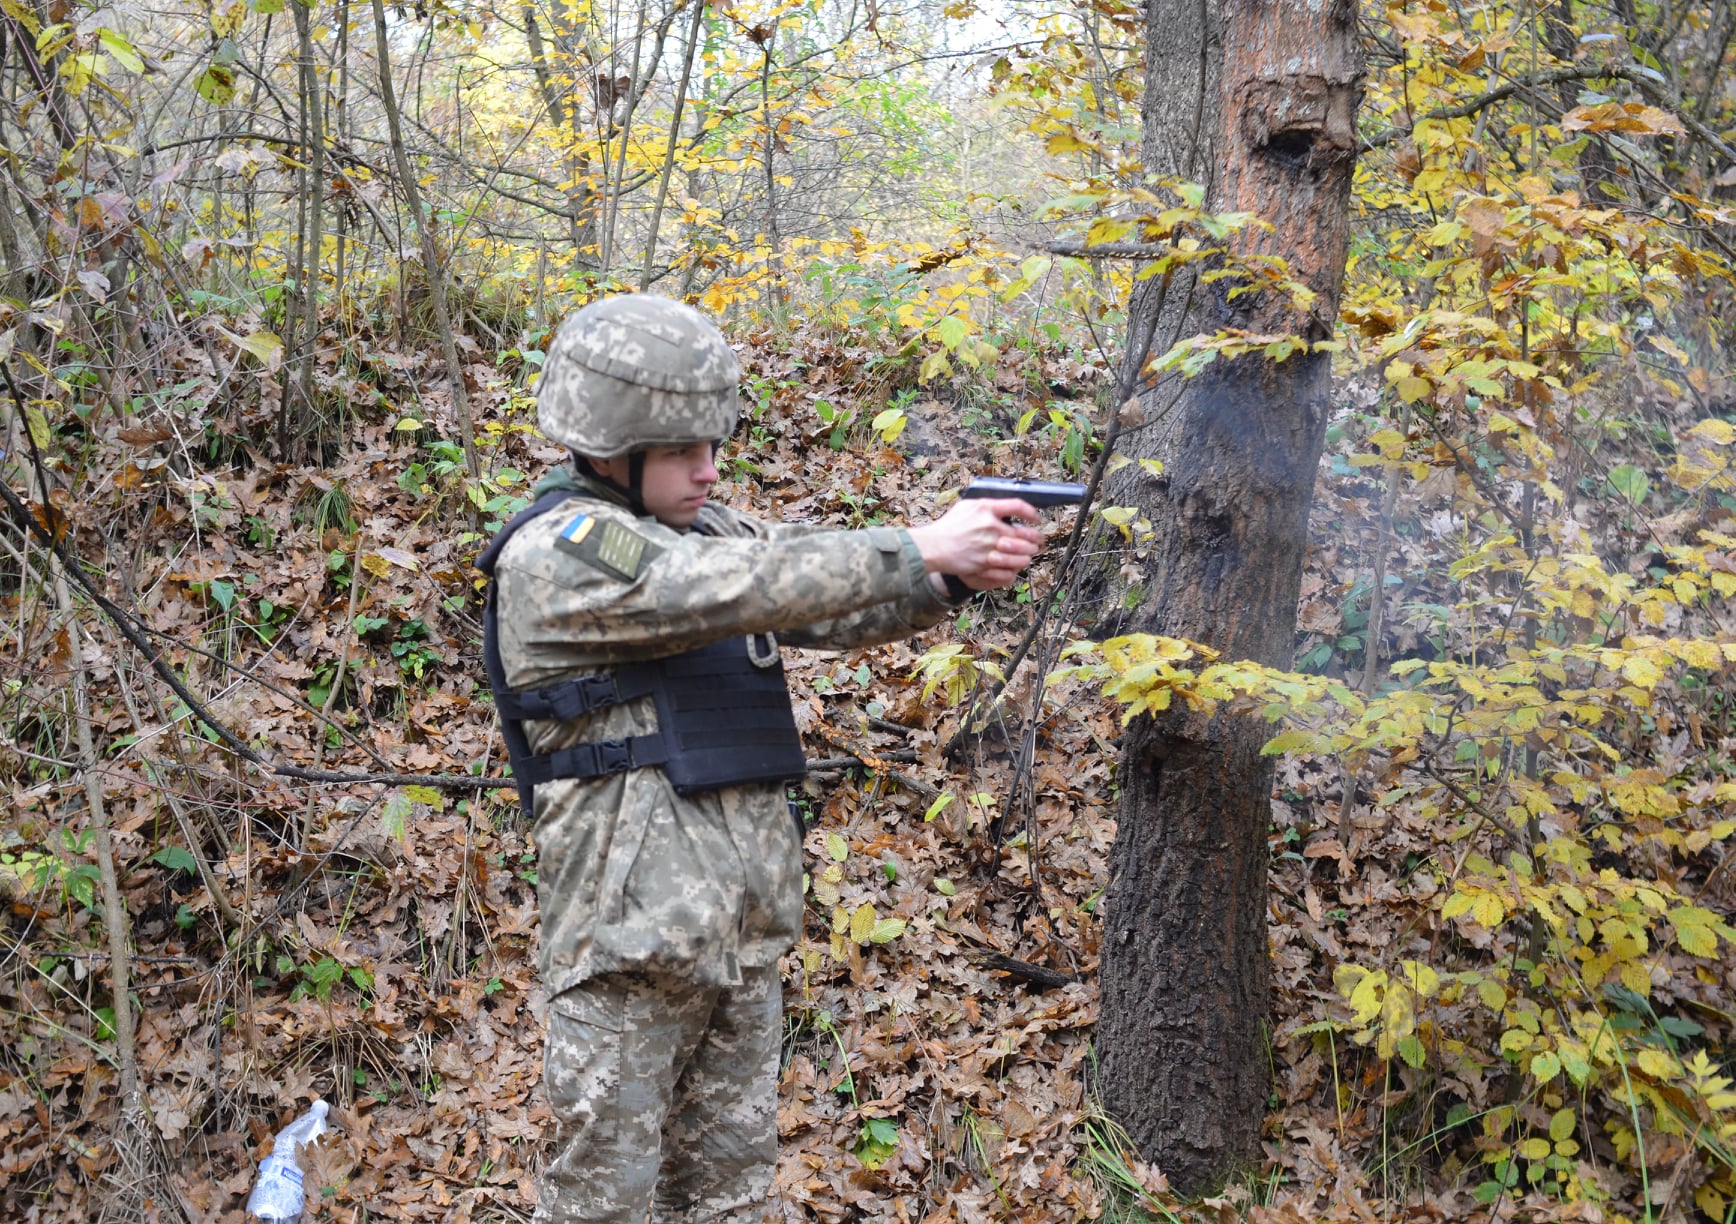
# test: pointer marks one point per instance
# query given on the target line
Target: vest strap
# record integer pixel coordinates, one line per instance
(597, 759)
(576, 697)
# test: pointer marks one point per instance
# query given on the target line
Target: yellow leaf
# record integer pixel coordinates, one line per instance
(1561, 1124)
(1695, 929)
(265, 346)
(837, 847)
(1715, 430)
(1065, 142)
(1398, 1016)
(1365, 1000)
(1656, 1064)
(825, 888)
(1410, 390)
(862, 923)
(1709, 1200)
(376, 565)
(1641, 671)
(1488, 910)
(1422, 979)
(1535, 1149)
(1458, 903)
(1389, 442)
(1346, 978)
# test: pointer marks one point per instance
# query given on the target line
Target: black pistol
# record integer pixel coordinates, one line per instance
(1040, 493)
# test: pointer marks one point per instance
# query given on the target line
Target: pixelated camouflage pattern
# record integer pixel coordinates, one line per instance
(666, 1096)
(630, 875)
(634, 371)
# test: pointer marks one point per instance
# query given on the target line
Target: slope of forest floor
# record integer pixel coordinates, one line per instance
(374, 945)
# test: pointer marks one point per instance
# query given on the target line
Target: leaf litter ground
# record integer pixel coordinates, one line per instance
(940, 1006)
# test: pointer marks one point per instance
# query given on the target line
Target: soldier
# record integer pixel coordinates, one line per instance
(630, 644)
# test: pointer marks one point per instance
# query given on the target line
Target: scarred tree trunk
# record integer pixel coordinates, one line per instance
(1258, 101)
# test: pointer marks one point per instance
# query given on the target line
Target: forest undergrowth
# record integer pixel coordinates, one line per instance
(374, 944)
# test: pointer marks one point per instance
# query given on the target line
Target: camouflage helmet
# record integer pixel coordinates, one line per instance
(635, 371)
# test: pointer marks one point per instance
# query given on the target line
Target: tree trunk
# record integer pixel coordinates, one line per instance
(1259, 101)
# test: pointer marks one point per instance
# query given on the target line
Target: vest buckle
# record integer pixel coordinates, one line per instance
(613, 757)
(766, 657)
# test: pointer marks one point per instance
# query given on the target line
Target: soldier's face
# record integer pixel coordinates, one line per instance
(676, 481)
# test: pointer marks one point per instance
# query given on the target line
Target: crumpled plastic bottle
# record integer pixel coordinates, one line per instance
(276, 1194)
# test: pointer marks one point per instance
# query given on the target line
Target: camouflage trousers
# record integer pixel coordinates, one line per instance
(666, 1097)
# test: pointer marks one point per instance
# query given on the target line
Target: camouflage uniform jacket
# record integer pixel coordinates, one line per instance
(630, 875)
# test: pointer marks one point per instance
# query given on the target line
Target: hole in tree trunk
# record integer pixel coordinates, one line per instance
(1292, 149)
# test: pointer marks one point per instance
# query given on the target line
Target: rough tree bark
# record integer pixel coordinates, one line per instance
(1257, 99)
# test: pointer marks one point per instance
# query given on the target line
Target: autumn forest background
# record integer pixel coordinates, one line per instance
(1129, 897)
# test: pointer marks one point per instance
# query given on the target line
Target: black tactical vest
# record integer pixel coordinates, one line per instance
(723, 711)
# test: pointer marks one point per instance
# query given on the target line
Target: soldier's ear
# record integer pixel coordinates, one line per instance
(614, 469)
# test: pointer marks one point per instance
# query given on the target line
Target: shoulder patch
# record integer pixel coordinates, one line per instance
(607, 545)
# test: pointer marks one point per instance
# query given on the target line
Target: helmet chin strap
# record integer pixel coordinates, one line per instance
(633, 490)
(636, 480)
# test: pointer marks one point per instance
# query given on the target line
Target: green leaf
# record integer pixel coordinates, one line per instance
(1289, 741)
(837, 847)
(175, 858)
(322, 975)
(121, 49)
(81, 885)
(1630, 482)
(886, 930)
(395, 814)
(876, 1142)
(951, 331)
(216, 85)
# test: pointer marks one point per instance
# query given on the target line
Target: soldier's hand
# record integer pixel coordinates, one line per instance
(979, 542)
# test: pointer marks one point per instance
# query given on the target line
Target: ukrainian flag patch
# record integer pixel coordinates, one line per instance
(578, 529)
(606, 545)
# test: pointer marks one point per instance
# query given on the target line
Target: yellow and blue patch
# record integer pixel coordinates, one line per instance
(575, 531)
(606, 545)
